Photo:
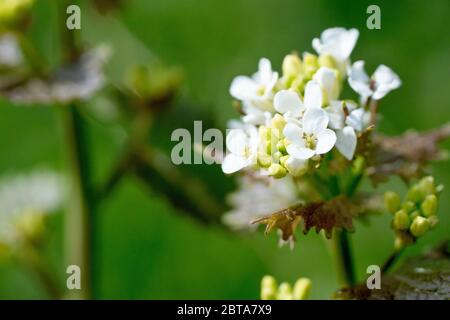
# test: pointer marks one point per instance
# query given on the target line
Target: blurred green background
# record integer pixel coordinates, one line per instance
(149, 251)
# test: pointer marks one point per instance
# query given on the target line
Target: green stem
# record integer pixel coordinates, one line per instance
(77, 227)
(343, 258)
(392, 259)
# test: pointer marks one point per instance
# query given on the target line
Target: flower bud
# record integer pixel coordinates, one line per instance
(427, 186)
(301, 289)
(414, 214)
(433, 220)
(296, 167)
(264, 160)
(408, 206)
(277, 170)
(326, 60)
(414, 194)
(284, 291)
(268, 288)
(292, 65)
(283, 160)
(281, 146)
(392, 201)
(278, 122)
(429, 205)
(401, 220)
(419, 226)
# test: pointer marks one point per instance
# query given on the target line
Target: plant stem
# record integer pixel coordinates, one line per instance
(343, 258)
(391, 260)
(78, 233)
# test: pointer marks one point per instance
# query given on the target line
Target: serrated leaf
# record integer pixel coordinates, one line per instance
(337, 213)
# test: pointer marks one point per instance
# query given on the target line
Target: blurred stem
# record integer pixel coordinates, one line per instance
(391, 260)
(77, 220)
(343, 258)
(31, 258)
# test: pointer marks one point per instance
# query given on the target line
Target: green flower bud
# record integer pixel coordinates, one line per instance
(264, 160)
(281, 146)
(277, 155)
(414, 214)
(283, 160)
(284, 291)
(401, 220)
(301, 289)
(268, 288)
(326, 60)
(427, 186)
(414, 194)
(408, 206)
(278, 122)
(419, 226)
(392, 201)
(310, 60)
(429, 205)
(277, 171)
(292, 65)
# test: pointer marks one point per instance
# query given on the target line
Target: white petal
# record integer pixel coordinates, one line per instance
(335, 114)
(287, 101)
(327, 80)
(237, 141)
(346, 142)
(264, 71)
(315, 120)
(337, 42)
(325, 141)
(313, 95)
(232, 163)
(359, 80)
(243, 88)
(385, 81)
(293, 133)
(356, 119)
(299, 152)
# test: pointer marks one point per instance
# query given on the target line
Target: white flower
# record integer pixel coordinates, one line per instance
(258, 197)
(346, 119)
(258, 88)
(289, 104)
(242, 143)
(382, 81)
(337, 42)
(10, 53)
(328, 82)
(40, 191)
(313, 138)
(254, 115)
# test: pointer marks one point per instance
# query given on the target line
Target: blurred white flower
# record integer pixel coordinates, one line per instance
(242, 144)
(10, 52)
(37, 192)
(328, 82)
(380, 84)
(257, 89)
(258, 197)
(336, 42)
(312, 138)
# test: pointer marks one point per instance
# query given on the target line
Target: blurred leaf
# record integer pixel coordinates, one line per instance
(405, 155)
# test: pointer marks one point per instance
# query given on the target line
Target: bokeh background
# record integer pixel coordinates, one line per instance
(148, 250)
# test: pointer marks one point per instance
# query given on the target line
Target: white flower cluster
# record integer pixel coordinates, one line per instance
(298, 117)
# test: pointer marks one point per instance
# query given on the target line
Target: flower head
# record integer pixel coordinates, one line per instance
(312, 138)
(257, 89)
(242, 144)
(380, 84)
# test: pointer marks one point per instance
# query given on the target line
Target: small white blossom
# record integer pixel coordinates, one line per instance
(289, 104)
(380, 84)
(328, 82)
(254, 115)
(40, 191)
(257, 89)
(258, 197)
(242, 144)
(313, 138)
(336, 42)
